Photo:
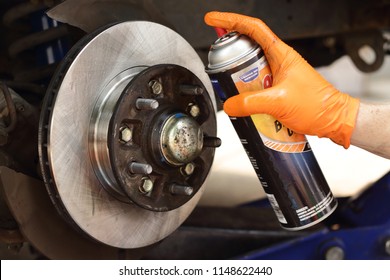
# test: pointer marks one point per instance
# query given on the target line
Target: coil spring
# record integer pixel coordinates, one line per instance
(36, 46)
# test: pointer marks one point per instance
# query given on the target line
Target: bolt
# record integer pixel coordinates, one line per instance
(387, 246)
(330, 42)
(156, 87)
(20, 107)
(188, 169)
(146, 104)
(194, 110)
(147, 185)
(181, 189)
(367, 54)
(334, 253)
(140, 168)
(125, 134)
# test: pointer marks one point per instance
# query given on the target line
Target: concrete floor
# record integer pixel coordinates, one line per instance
(232, 180)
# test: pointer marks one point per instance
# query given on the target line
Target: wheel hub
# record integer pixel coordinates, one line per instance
(144, 136)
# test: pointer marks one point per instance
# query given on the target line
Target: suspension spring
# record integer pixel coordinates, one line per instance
(36, 44)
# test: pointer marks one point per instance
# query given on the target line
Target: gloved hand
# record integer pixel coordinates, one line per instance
(300, 98)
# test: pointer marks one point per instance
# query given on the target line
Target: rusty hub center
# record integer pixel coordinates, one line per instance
(181, 139)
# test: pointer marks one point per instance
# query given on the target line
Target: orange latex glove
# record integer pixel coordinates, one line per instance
(300, 98)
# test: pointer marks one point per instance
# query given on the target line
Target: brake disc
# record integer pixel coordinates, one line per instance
(127, 134)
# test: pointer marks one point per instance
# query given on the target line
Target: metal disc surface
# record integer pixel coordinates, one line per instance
(75, 188)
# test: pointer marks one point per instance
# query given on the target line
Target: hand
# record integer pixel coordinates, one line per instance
(300, 98)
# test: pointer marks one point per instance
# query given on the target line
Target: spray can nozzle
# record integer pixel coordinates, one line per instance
(220, 31)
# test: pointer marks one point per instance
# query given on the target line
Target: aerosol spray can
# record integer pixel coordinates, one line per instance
(282, 159)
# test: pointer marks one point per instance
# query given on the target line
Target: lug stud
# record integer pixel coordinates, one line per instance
(191, 90)
(211, 142)
(140, 168)
(146, 104)
(180, 189)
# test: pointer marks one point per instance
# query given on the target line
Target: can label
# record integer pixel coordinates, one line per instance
(274, 135)
(275, 206)
(282, 159)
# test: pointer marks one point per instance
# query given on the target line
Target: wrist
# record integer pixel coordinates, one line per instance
(346, 121)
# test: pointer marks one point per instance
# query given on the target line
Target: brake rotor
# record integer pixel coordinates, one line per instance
(127, 134)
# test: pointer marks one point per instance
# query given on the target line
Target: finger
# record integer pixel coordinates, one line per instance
(253, 27)
(263, 102)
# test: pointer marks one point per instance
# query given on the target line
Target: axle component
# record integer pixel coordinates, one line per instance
(127, 134)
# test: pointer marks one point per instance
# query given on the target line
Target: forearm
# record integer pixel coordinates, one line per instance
(372, 130)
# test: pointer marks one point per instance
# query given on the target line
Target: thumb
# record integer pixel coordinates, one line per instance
(254, 102)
